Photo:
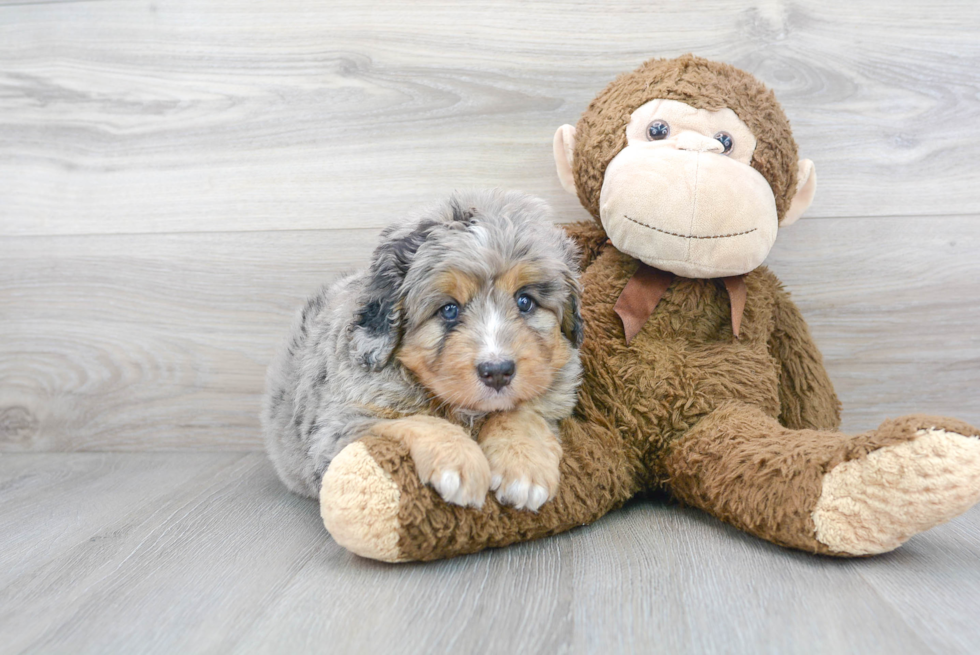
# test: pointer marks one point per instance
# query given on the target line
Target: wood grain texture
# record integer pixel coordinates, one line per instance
(160, 342)
(185, 572)
(209, 553)
(107, 340)
(176, 177)
(684, 582)
(893, 305)
(60, 497)
(121, 117)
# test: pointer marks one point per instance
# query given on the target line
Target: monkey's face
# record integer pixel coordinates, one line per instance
(683, 196)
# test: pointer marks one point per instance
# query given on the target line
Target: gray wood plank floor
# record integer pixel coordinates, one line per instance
(183, 552)
(176, 177)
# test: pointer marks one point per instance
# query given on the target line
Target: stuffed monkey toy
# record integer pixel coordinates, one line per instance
(700, 375)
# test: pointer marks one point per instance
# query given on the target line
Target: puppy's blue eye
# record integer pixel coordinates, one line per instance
(449, 312)
(525, 303)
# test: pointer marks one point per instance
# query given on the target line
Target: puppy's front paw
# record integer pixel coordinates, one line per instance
(524, 456)
(456, 468)
(445, 457)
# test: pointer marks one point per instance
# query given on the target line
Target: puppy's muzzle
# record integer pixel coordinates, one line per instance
(496, 374)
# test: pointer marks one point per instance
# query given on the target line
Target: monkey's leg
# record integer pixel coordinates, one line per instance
(373, 503)
(825, 491)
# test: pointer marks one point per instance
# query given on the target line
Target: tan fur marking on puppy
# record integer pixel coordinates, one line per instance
(561, 350)
(421, 341)
(449, 373)
(458, 285)
(874, 504)
(524, 455)
(539, 358)
(445, 456)
(518, 276)
(359, 504)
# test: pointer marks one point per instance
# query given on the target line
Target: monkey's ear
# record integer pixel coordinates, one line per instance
(806, 186)
(564, 150)
(376, 327)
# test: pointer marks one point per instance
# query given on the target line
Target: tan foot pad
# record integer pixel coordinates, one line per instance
(359, 505)
(874, 504)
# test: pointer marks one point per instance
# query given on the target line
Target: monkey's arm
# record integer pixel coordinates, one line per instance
(589, 237)
(806, 395)
(374, 504)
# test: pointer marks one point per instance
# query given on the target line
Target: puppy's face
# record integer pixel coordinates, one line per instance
(489, 342)
(478, 299)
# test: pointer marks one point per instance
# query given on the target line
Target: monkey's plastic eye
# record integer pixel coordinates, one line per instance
(725, 139)
(449, 312)
(525, 303)
(657, 130)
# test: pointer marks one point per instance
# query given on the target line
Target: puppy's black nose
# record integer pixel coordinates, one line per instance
(496, 374)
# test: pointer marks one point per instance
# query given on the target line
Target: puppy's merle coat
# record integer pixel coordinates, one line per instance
(465, 326)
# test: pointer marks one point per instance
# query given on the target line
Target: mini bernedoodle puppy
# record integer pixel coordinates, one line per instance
(461, 339)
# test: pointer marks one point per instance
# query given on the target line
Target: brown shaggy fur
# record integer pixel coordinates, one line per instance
(742, 428)
(787, 467)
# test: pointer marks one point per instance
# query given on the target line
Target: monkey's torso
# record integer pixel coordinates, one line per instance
(683, 364)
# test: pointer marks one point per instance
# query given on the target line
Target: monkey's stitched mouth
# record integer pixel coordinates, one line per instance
(688, 236)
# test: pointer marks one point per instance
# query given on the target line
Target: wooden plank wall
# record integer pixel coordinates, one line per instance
(176, 176)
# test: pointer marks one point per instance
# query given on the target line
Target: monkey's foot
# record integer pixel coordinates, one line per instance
(874, 504)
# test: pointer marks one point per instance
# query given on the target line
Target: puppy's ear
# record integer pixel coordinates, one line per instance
(376, 328)
(571, 319)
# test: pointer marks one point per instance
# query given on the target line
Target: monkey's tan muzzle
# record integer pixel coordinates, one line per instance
(693, 212)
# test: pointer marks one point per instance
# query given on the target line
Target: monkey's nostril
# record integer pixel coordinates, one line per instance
(496, 374)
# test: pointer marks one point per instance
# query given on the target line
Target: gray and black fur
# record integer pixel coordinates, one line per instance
(339, 370)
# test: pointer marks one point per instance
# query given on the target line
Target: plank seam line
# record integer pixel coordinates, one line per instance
(380, 227)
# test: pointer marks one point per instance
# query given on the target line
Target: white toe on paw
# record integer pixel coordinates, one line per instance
(457, 490)
(447, 484)
(457, 470)
(461, 489)
(521, 485)
(537, 497)
(874, 504)
(515, 493)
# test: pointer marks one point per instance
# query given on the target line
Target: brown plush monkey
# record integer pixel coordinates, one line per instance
(700, 374)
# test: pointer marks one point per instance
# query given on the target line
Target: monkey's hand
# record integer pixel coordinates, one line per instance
(524, 454)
